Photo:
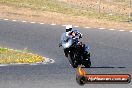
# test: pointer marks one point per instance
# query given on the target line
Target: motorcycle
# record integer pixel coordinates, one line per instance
(76, 53)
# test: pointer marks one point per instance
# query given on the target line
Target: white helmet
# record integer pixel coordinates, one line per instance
(68, 28)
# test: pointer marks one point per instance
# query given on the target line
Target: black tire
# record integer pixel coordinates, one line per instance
(72, 61)
(81, 80)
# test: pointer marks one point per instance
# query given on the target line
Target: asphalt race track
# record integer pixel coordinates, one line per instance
(111, 52)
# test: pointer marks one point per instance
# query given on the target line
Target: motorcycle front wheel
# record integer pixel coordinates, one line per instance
(72, 61)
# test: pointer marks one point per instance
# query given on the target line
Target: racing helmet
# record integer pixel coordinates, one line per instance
(68, 28)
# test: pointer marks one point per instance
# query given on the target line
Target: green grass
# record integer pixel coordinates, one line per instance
(55, 6)
(8, 56)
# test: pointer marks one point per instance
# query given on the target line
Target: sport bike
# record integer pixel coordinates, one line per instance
(76, 52)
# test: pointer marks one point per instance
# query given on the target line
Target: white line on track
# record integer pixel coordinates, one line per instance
(76, 26)
(32, 22)
(121, 30)
(101, 28)
(65, 25)
(87, 27)
(111, 29)
(2, 65)
(53, 24)
(6, 19)
(52, 61)
(14, 20)
(24, 21)
(41, 23)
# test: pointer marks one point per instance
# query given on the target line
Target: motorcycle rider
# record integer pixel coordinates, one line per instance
(65, 36)
(70, 33)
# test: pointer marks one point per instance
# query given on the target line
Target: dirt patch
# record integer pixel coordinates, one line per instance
(59, 18)
(106, 6)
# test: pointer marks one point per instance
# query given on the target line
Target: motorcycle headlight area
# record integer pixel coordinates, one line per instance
(66, 45)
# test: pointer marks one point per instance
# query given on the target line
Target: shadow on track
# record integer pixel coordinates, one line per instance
(105, 67)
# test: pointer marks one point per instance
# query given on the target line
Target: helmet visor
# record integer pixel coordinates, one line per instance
(67, 30)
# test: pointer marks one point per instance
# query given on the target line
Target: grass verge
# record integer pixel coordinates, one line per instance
(8, 56)
(60, 7)
(55, 11)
